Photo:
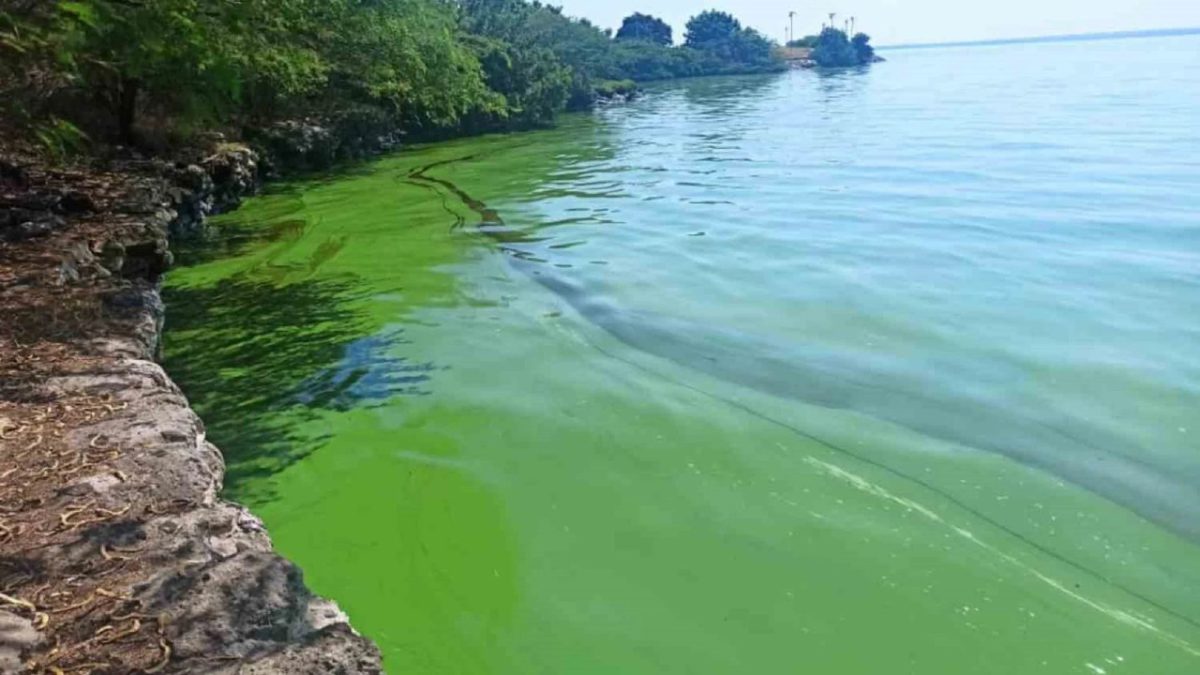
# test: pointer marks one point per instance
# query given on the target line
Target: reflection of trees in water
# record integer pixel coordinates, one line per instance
(725, 95)
(712, 113)
(841, 86)
(262, 351)
(254, 350)
(367, 374)
(281, 205)
(237, 234)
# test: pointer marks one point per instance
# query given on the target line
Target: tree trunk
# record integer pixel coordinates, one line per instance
(127, 97)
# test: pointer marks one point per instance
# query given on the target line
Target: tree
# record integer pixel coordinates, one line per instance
(532, 83)
(644, 27)
(711, 30)
(833, 50)
(403, 56)
(864, 51)
(726, 47)
(749, 47)
(184, 58)
(578, 45)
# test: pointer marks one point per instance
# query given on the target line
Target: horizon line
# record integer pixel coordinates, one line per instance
(1105, 35)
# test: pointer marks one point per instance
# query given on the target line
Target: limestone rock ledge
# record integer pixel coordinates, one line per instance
(117, 554)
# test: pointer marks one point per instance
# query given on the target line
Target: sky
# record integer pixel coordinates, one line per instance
(913, 21)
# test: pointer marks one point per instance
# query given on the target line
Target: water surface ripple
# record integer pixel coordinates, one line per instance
(743, 376)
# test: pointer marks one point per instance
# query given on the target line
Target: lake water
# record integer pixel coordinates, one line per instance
(882, 371)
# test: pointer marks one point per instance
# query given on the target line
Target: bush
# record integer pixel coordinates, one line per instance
(834, 50)
(865, 52)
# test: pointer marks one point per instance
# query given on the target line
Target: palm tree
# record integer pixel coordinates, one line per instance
(852, 25)
(791, 26)
(831, 17)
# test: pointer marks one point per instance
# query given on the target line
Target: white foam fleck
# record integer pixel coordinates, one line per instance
(1127, 618)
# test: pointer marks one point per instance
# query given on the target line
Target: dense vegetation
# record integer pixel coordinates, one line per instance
(715, 43)
(806, 42)
(143, 69)
(833, 49)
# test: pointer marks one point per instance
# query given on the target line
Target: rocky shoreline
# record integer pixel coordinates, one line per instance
(117, 554)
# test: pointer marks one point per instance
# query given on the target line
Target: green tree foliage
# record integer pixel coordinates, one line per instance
(532, 85)
(647, 61)
(835, 50)
(191, 58)
(862, 47)
(204, 60)
(404, 55)
(725, 44)
(580, 47)
(711, 30)
(751, 48)
(437, 66)
(36, 58)
(806, 42)
(646, 28)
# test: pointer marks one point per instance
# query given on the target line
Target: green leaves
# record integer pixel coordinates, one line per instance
(835, 50)
(59, 138)
(84, 12)
(711, 30)
(423, 65)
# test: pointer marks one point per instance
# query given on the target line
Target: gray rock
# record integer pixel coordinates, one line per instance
(76, 201)
(19, 224)
(234, 606)
(16, 635)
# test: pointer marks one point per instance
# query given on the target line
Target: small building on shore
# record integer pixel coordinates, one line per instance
(797, 57)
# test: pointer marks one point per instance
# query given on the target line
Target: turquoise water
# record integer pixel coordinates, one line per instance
(883, 370)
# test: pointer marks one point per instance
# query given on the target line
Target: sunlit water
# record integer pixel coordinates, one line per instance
(891, 371)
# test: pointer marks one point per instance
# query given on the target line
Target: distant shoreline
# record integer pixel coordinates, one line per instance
(1079, 37)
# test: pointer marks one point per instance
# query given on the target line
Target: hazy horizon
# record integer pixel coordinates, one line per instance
(914, 21)
(1116, 34)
